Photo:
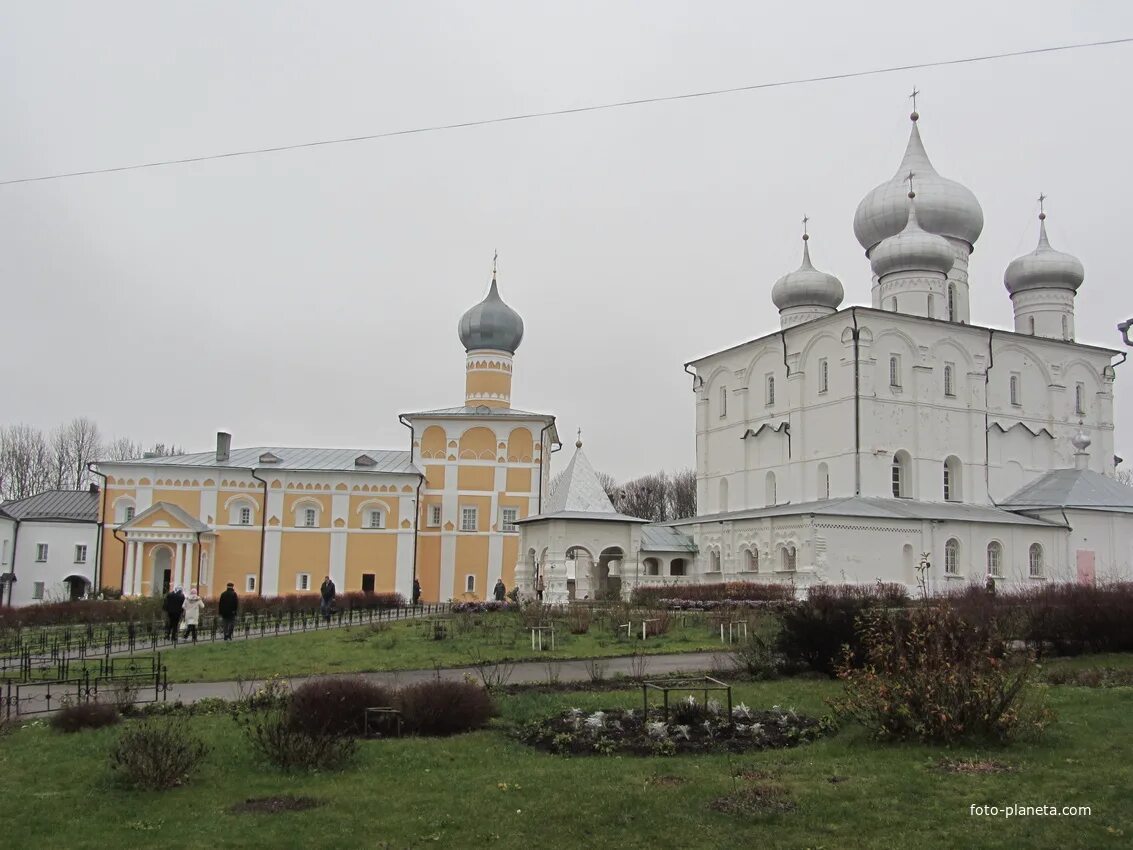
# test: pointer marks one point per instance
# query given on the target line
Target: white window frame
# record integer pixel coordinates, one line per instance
(751, 560)
(894, 371)
(723, 402)
(995, 564)
(947, 482)
(244, 515)
(381, 516)
(506, 524)
(129, 512)
(952, 557)
(465, 512)
(250, 583)
(310, 517)
(4, 553)
(823, 375)
(433, 517)
(1014, 390)
(950, 380)
(931, 305)
(470, 583)
(80, 553)
(769, 383)
(951, 302)
(37, 590)
(1031, 561)
(302, 582)
(42, 551)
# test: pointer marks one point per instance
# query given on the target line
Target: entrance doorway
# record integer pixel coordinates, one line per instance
(367, 582)
(76, 587)
(162, 571)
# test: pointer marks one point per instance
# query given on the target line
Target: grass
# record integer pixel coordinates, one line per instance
(485, 789)
(407, 646)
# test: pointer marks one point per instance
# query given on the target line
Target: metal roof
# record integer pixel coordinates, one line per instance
(481, 410)
(578, 489)
(662, 538)
(341, 460)
(875, 508)
(601, 516)
(1072, 488)
(75, 505)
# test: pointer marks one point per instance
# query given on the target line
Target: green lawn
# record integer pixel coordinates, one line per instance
(58, 791)
(407, 646)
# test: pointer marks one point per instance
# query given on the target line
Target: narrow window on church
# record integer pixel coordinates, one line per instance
(1079, 398)
(929, 313)
(309, 517)
(951, 302)
(951, 557)
(947, 483)
(1036, 560)
(1065, 328)
(823, 375)
(1014, 390)
(995, 559)
(770, 389)
(723, 402)
(1032, 325)
(900, 474)
(949, 385)
(895, 371)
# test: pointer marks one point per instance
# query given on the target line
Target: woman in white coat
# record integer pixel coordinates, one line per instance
(194, 605)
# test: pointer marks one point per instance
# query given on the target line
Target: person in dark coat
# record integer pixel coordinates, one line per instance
(327, 592)
(500, 592)
(416, 593)
(226, 607)
(173, 606)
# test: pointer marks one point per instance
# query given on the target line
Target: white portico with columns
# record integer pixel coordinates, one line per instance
(165, 543)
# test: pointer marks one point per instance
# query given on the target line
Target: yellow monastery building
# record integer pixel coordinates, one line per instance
(275, 520)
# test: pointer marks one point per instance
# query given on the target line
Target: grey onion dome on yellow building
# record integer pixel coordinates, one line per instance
(491, 324)
(914, 249)
(807, 286)
(1044, 268)
(945, 206)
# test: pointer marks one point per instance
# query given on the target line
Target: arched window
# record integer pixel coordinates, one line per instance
(949, 381)
(751, 560)
(723, 402)
(123, 509)
(1013, 388)
(789, 558)
(953, 489)
(307, 514)
(723, 494)
(375, 518)
(952, 557)
(652, 567)
(470, 584)
(930, 306)
(951, 302)
(823, 375)
(714, 561)
(1036, 560)
(823, 489)
(770, 389)
(900, 474)
(771, 497)
(995, 559)
(241, 510)
(1032, 325)
(677, 567)
(1079, 398)
(894, 371)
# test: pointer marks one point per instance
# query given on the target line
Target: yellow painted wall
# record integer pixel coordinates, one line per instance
(187, 500)
(476, 478)
(434, 477)
(433, 442)
(289, 500)
(511, 556)
(236, 555)
(477, 382)
(520, 446)
(518, 480)
(112, 553)
(471, 557)
(429, 566)
(303, 552)
(371, 553)
(478, 444)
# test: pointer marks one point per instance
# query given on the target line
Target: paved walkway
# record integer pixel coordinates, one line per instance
(523, 673)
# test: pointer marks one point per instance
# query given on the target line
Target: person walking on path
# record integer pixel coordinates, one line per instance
(416, 593)
(327, 592)
(226, 607)
(500, 592)
(193, 607)
(173, 606)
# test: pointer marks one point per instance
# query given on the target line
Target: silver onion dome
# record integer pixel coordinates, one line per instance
(913, 249)
(1044, 268)
(491, 324)
(946, 207)
(807, 286)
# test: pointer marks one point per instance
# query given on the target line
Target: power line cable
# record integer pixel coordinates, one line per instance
(621, 104)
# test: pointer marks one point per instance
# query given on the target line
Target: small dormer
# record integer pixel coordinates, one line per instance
(268, 457)
(365, 461)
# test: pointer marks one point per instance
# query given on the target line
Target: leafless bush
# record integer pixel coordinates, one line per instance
(157, 754)
(288, 747)
(494, 674)
(596, 669)
(638, 664)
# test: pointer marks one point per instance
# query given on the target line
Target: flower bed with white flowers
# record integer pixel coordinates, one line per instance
(691, 727)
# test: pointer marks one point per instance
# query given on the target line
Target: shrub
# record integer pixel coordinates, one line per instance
(1071, 619)
(932, 677)
(813, 632)
(335, 706)
(443, 707)
(84, 715)
(885, 594)
(157, 754)
(755, 655)
(578, 620)
(289, 747)
(737, 590)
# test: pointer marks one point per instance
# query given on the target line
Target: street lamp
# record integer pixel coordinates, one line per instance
(1124, 328)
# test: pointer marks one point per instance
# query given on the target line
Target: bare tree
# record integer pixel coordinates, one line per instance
(122, 448)
(1124, 476)
(610, 485)
(161, 450)
(25, 461)
(682, 494)
(73, 446)
(646, 497)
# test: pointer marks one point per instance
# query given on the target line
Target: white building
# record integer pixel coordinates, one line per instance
(48, 544)
(854, 443)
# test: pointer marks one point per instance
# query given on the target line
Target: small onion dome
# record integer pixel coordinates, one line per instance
(807, 286)
(1044, 268)
(1081, 441)
(913, 249)
(491, 324)
(946, 207)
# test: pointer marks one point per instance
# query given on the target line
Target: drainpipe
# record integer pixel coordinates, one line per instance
(12, 576)
(786, 389)
(857, 404)
(263, 536)
(987, 426)
(125, 549)
(98, 532)
(417, 503)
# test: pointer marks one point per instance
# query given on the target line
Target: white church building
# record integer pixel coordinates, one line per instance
(853, 443)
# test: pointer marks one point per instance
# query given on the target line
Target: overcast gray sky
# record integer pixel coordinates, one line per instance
(308, 297)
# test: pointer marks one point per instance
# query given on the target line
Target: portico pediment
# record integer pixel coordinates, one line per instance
(164, 518)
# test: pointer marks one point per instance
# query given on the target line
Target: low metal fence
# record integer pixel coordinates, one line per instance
(137, 686)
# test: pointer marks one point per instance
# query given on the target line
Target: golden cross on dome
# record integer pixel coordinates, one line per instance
(913, 97)
(1042, 198)
(806, 218)
(910, 177)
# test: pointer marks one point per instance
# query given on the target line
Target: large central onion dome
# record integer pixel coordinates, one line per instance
(913, 249)
(945, 207)
(807, 286)
(1044, 268)
(491, 324)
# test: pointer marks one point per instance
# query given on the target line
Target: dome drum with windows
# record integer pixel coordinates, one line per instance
(491, 332)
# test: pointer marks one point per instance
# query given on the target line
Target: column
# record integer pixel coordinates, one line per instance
(128, 578)
(178, 566)
(139, 564)
(188, 567)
